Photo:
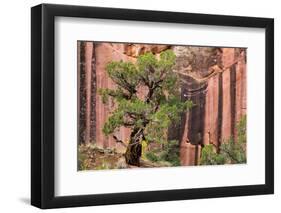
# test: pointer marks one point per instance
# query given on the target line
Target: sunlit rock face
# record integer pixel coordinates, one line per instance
(134, 50)
(213, 78)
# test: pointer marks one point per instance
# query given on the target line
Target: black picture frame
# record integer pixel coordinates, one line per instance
(43, 102)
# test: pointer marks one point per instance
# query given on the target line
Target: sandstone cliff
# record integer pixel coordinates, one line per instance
(213, 78)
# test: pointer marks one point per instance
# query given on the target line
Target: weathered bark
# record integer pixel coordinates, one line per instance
(133, 151)
(133, 154)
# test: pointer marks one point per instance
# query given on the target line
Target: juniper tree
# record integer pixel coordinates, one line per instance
(149, 115)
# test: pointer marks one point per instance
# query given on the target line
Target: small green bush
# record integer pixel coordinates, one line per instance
(231, 151)
(169, 153)
(151, 156)
(210, 157)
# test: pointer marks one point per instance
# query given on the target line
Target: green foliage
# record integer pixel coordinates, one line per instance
(242, 130)
(234, 152)
(171, 153)
(113, 122)
(230, 151)
(160, 120)
(152, 157)
(82, 162)
(168, 153)
(210, 157)
(160, 106)
(124, 74)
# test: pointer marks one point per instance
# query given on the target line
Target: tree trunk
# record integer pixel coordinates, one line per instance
(133, 152)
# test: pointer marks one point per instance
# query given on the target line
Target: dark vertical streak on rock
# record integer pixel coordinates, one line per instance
(196, 161)
(233, 98)
(196, 92)
(81, 91)
(93, 96)
(182, 125)
(176, 131)
(202, 102)
(220, 107)
(78, 90)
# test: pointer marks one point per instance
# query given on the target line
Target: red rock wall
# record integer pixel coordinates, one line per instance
(105, 53)
(89, 53)
(220, 99)
(86, 91)
(225, 104)
(93, 58)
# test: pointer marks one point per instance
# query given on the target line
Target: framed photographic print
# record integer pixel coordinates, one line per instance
(140, 106)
